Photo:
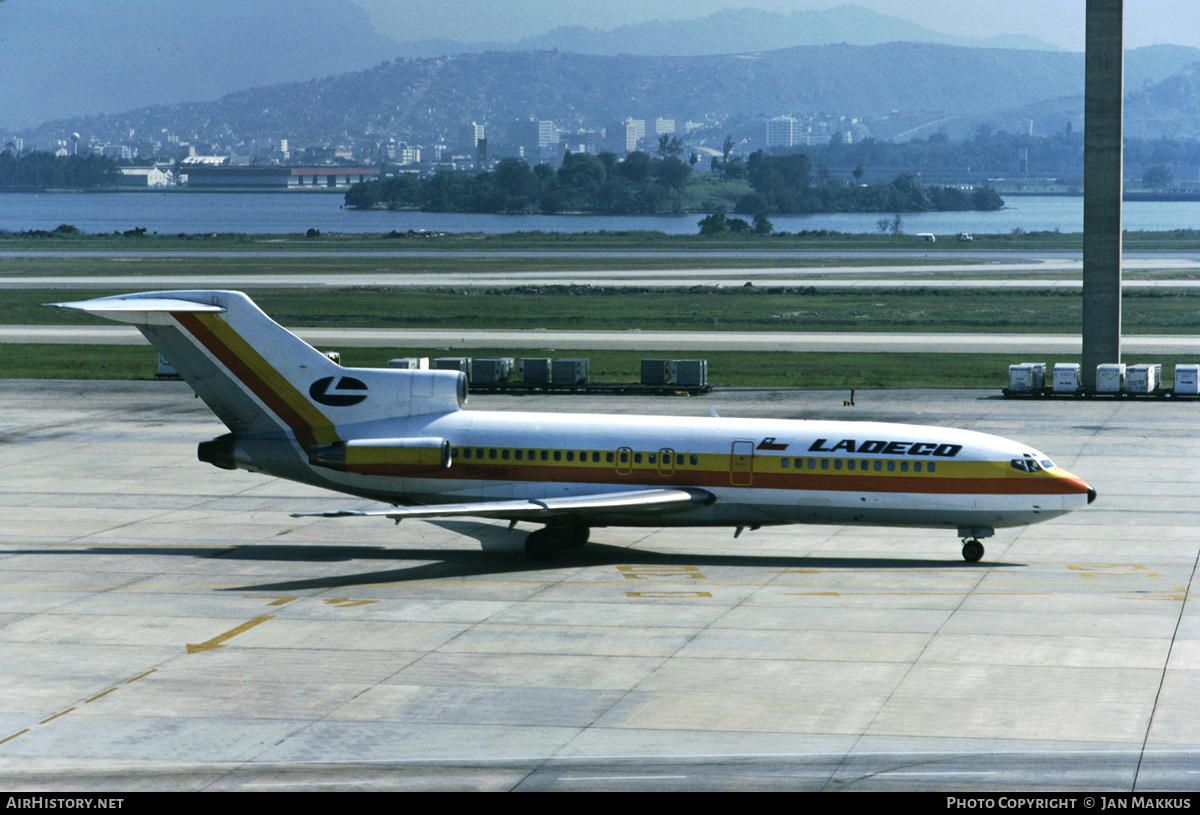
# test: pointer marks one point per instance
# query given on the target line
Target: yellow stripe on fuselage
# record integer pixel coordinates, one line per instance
(259, 377)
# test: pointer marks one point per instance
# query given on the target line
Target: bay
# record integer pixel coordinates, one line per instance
(297, 212)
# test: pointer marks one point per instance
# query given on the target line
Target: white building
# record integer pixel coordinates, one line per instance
(782, 131)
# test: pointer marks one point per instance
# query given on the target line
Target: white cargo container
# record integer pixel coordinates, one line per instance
(692, 372)
(492, 371)
(1145, 378)
(535, 370)
(1110, 377)
(570, 372)
(1067, 377)
(1027, 377)
(1187, 379)
(453, 364)
(409, 363)
(658, 371)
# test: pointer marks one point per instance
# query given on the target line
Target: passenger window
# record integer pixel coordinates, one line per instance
(903, 466)
(824, 464)
(837, 464)
(492, 453)
(812, 464)
(570, 455)
(504, 454)
(609, 457)
(558, 455)
(850, 464)
(878, 465)
(545, 455)
(932, 466)
(891, 466)
(694, 460)
(783, 463)
(916, 466)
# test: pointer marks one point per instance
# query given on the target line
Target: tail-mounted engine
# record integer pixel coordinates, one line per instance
(383, 456)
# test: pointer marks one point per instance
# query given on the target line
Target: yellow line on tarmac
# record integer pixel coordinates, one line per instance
(218, 642)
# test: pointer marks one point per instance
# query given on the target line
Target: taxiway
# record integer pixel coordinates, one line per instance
(167, 625)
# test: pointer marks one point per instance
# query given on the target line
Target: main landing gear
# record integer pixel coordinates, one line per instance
(972, 549)
(544, 543)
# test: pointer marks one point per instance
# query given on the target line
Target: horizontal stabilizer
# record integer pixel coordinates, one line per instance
(535, 509)
(121, 308)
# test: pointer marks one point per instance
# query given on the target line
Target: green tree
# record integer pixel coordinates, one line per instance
(636, 167)
(669, 146)
(713, 224)
(1158, 177)
(672, 173)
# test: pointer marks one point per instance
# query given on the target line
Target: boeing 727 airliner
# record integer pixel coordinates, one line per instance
(401, 437)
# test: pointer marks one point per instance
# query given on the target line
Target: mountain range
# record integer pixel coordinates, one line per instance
(316, 72)
(730, 32)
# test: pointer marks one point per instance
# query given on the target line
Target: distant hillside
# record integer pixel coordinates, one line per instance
(423, 100)
(63, 58)
(730, 32)
(1162, 98)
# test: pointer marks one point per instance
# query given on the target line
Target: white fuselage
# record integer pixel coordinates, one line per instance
(761, 471)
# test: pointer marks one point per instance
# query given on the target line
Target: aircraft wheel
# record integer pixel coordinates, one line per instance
(575, 536)
(972, 550)
(541, 545)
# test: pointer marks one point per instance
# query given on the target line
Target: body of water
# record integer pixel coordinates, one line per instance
(291, 212)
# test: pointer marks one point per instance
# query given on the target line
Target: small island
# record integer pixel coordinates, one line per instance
(640, 184)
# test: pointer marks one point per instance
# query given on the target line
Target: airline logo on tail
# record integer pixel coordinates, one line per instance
(348, 391)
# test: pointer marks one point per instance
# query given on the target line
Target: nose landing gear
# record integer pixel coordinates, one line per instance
(972, 549)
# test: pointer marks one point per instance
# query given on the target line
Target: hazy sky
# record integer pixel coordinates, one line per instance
(1147, 22)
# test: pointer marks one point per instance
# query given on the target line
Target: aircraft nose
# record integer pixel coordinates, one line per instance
(1091, 493)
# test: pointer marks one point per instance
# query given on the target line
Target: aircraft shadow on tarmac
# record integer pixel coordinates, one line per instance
(501, 552)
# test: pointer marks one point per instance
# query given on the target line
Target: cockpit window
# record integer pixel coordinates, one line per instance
(1026, 465)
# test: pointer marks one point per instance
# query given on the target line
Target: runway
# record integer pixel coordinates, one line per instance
(167, 625)
(689, 341)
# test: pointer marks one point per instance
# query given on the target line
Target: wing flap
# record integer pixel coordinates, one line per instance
(535, 509)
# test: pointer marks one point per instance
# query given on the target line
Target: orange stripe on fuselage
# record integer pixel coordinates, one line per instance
(259, 377)
(928, 483)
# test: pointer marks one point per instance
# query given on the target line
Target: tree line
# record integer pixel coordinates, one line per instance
(584, 183)
(41, 170)
(641, 184)
(785, 184)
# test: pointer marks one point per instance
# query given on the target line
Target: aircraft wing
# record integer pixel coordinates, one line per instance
(537, 509)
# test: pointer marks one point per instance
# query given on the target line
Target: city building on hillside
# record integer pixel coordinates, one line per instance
(781, 131)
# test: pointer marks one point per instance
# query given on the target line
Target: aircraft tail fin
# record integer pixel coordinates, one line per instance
(259, 378)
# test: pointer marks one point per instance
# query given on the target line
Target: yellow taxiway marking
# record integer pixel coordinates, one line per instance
(218, 642)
